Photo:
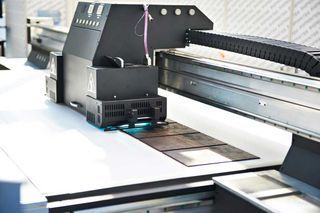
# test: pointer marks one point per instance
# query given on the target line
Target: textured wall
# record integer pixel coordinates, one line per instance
(306, 22)
(290, 20)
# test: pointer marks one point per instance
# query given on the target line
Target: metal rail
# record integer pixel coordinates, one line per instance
(283, 100)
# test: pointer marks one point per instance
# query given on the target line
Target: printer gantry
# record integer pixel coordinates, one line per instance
(105, 67)
(106, 70)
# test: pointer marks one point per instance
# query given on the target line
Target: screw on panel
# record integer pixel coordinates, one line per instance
(188, 41)
(163, 11)
(177, 12)
(192, 12)
(192, 83)
(262, 103)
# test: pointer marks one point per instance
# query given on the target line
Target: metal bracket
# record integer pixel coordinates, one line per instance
(155, 115)
(132, 117)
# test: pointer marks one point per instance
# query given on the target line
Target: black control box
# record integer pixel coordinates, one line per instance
(107, 83)
(54, 82)
(130, 111)
(124, 95)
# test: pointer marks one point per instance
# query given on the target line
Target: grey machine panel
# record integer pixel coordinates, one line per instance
(295, 188)
(301, 161)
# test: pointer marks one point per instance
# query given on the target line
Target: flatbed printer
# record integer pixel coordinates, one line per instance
(44, 37)
(83, 79)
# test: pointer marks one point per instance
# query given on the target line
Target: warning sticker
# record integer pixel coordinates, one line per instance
(91, 84)
(53, 69)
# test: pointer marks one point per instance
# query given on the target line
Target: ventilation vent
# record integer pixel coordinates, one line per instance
(139, 105)
(52, 95)
(91, 117)
(111, 114)
(144, 111)
(114, 110)
(143, 107)
(113, 107)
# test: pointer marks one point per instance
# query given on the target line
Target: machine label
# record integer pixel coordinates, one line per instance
(53, 70)
(91, 84)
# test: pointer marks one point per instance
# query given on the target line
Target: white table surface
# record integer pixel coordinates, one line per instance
(61, 153)
(30, 198)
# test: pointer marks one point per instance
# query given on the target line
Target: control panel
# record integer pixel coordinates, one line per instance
(91, 16)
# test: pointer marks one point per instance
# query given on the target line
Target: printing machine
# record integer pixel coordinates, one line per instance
(44, 38)
(114, 59)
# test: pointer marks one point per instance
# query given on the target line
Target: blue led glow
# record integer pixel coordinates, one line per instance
(138, 127)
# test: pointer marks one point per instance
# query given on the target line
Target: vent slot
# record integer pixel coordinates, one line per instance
(114, 110)
(91, 117)
(111, 114)
(139, 105)
(52, 95)
(113, 107)
(143, 108)
(144, 111)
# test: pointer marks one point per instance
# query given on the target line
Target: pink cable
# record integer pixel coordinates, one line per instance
(145, 37)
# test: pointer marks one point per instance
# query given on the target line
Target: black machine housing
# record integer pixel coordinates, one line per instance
(123, 94)
(108, 94)
(54, 82)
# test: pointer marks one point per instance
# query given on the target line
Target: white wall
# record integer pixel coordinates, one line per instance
(16, 28)
(291, 20)
(16, 13)
(32, 7)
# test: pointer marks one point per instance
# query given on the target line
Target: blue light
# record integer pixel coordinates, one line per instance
(138, 127)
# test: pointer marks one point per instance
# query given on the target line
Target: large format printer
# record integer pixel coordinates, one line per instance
(113, 61)
(44, 37)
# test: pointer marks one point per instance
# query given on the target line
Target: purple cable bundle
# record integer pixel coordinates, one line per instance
(147, 17)
(145, 34)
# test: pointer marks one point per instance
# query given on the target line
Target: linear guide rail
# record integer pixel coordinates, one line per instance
(283, 100)
(291, 54)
